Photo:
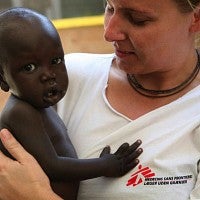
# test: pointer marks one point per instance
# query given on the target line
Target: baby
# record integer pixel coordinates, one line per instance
(32, 68)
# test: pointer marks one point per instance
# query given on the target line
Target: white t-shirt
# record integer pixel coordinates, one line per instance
(170, 135)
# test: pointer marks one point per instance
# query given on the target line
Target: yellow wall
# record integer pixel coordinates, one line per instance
(84, 34)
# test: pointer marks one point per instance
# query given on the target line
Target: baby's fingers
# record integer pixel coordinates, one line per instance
(131, 157)
(135, 145)
(122, 149)
(131, 165)
(132, 160)
(106, 150)
(133, 148)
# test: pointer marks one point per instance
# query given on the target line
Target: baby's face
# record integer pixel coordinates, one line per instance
(35, 71)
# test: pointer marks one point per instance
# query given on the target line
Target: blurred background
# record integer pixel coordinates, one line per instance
(56, 9)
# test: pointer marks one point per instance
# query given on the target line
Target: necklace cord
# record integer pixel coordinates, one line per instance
(163, 93)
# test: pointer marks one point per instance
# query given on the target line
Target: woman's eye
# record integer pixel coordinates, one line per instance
(57, 61)
(29, 68)
(139, 22)
(109, 8)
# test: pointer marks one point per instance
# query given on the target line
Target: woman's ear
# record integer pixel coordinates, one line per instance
(3, 84)
(195, 26)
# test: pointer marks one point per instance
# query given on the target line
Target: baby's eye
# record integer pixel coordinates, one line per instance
(57, 61)
(29, 68)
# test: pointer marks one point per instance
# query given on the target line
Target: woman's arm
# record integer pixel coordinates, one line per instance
(23, 178)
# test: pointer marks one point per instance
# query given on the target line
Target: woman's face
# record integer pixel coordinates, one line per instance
(148, 35)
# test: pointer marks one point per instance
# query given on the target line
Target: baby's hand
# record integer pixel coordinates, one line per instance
(123, 160)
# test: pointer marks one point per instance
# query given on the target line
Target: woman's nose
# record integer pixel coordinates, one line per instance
(113, 29)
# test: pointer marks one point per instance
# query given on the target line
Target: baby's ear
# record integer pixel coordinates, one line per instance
(3, 84)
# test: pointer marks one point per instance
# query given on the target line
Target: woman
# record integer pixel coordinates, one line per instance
(148, 89)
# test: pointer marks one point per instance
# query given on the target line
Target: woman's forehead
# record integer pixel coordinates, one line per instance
(145, 3)
(153, 7)
(134, 3)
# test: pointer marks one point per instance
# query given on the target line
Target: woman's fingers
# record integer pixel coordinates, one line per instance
(24, 172)
(13, 146)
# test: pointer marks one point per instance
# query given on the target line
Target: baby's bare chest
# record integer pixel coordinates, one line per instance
(58, 135)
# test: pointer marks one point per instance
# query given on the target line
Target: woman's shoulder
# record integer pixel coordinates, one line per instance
(87, 64)
(72, 57)
(81, 60)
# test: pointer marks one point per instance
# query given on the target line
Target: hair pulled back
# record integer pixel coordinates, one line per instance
(186, 6)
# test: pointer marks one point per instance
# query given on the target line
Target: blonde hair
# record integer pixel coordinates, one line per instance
(192, 5)
(186, 6)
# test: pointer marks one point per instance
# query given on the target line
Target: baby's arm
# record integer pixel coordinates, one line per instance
(109, 165)
(28, 128)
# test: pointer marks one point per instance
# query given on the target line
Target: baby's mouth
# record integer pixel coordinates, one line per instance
(52, 92)
(52, 96)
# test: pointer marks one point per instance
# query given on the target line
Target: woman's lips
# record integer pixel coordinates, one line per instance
(122, 54)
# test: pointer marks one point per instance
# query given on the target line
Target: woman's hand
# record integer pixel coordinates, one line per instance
(22, 179)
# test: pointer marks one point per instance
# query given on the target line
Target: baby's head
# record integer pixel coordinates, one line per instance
(31, 58)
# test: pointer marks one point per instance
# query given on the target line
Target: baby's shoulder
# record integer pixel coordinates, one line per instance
(16, 109)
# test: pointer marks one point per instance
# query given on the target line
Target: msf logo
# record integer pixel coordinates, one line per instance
(139, 176)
